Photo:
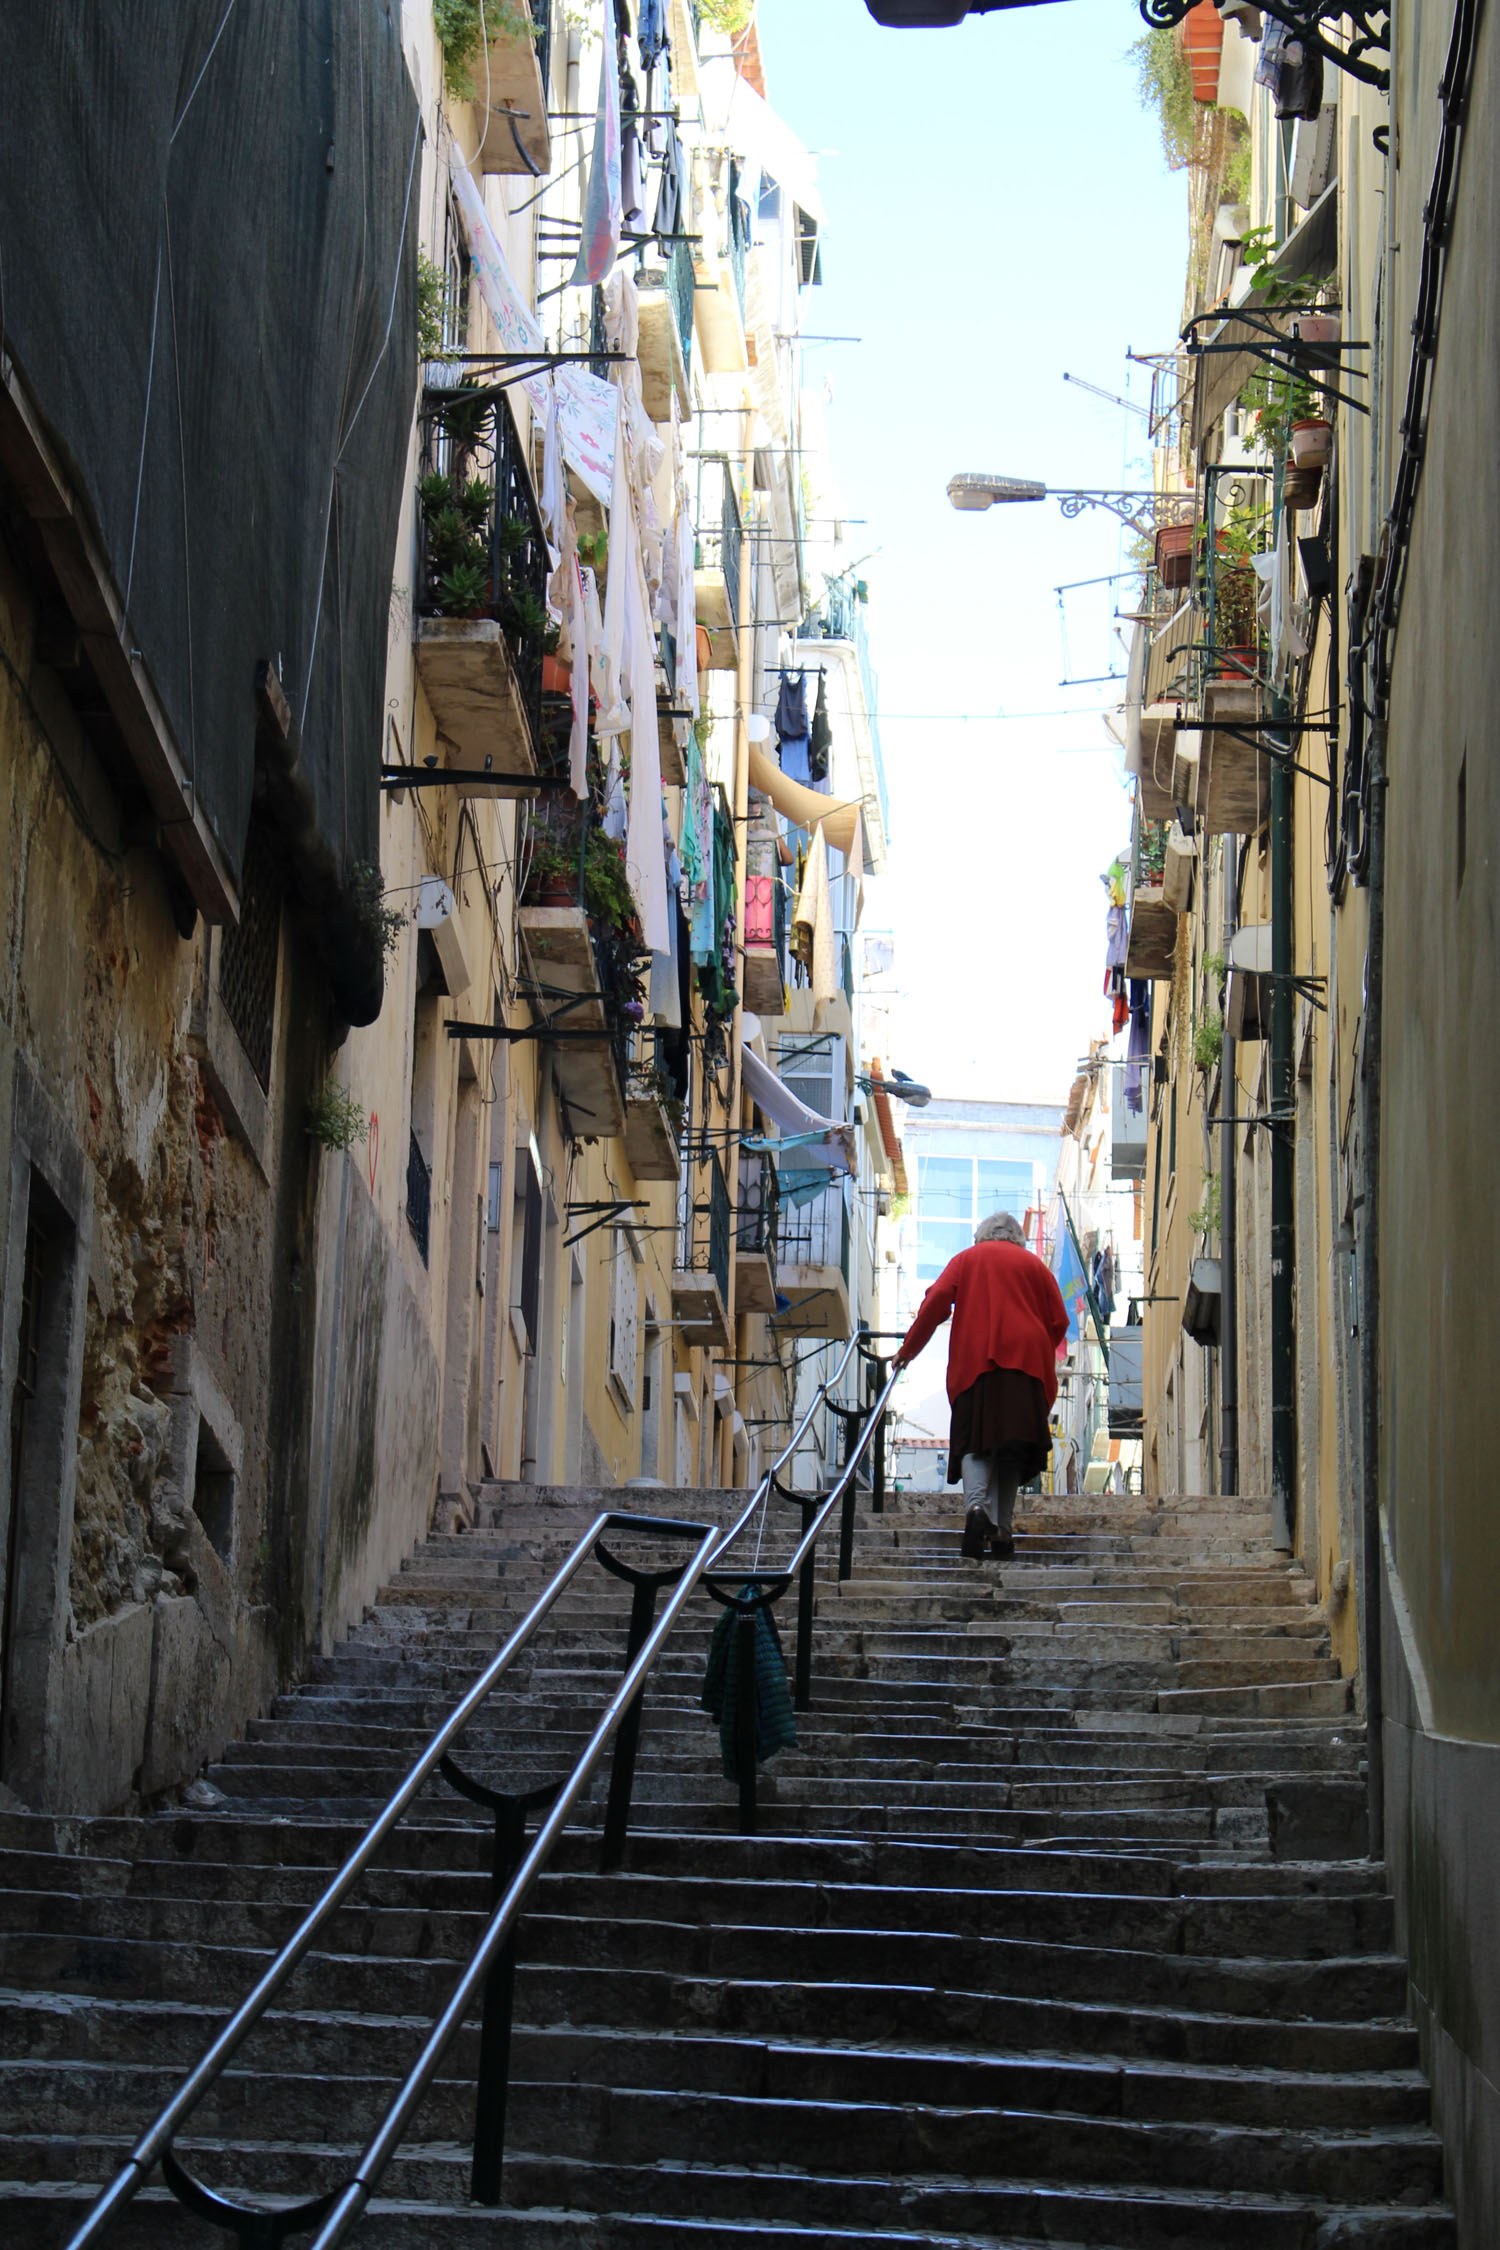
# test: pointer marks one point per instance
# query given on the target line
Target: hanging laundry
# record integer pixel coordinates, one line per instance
(603, 216)
(671, 196)
(651, 31)
(586, 405)
(632, 172)
(1138, 1048)
(1293, 69)
(820, 744)
(791, 705)
(814, 937)
(795, 759)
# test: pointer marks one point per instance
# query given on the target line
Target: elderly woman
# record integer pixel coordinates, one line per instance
(1008, 1321)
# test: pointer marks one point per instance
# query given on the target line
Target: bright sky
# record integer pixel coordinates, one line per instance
(998, 212)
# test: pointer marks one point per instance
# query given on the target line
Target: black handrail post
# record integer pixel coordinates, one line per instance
(875, 1375)
(806, 1591)
(744, 1720)
(850, 1418)
(495, 2023)
(627, 1740)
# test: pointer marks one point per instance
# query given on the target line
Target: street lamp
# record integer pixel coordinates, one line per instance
(1304, 19)
(1140, 509)
(895, 1082)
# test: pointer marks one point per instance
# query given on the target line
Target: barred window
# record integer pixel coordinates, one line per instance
(248, 953)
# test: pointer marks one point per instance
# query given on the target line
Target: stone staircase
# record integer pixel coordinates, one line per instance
(1019, 1957)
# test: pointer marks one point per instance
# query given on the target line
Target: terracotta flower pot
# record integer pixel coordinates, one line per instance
(1174, 554)
(1312, 442)
(557, 677)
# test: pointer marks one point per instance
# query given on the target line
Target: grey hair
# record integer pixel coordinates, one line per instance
(1000, 1227)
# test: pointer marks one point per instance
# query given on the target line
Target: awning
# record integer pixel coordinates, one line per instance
(840, 818)
(776, 1101)
(1309, 252)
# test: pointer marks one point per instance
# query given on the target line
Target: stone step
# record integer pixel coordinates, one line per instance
(1124, 2219)
(1009, 1963)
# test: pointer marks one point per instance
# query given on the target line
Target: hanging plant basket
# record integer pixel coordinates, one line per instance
(1312, 442)
(1302, 486)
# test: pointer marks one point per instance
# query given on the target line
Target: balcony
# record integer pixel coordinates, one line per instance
(716, 561)
(765, 978)
(512, 72)
(719, 274)
(755, 1234)
(569, 990)
(700, 1265)
(813, 1260)
(652, 1118)
(1151, 947)
(481, 579)
(1127, 1137)
(1234, 773)
(664, 345)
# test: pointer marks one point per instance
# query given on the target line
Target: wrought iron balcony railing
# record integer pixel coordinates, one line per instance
(703, 1218)
(482, 551)
(418, 1197)
(720, 539)
(680, 286)
(739, 236)
(814, 1233)
(757, 1220)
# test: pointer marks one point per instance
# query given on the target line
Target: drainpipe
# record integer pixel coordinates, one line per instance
(1229, 1314)
(1368, 1270)
(1283, 1151)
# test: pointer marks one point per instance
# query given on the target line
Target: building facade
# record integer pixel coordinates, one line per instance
(1307, 941)
(392, 901)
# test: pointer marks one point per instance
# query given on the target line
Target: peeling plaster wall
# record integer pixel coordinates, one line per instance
(209, 1285)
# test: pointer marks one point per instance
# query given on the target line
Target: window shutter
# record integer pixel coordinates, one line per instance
(624, 1313)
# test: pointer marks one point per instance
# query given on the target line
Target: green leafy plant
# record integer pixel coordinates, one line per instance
(463, 589)
(523, 613)
(1258, 250)
(464, 26)
(606, 887)
(1213, 971)
(1275, 399)
(593, 549)
(730, 16)
(432, 306)
(550, 866)
(381, 923)
(333, 1118)
(1206, 1218)
(1165, 82)
(1208, 1041)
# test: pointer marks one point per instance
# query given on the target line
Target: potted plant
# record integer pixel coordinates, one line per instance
(1301, 487)
(1312, 441)
(552, 876)
(1174, 553)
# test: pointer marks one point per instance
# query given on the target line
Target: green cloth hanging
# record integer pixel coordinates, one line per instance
(775, 1722)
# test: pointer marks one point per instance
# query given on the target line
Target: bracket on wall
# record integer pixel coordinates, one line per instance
(469, 777)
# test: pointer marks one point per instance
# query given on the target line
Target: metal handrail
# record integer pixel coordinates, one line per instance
(336, 2214)
(156, 2141)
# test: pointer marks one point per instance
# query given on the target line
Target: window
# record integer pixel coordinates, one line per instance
(954, 1193)
(248, 953)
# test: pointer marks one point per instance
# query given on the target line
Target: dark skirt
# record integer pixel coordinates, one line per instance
(1003, 1412)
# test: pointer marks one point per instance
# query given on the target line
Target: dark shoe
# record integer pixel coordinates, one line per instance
(1002, 1546)
(977, 1529)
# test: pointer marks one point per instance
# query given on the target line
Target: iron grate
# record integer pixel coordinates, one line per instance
(248, 954)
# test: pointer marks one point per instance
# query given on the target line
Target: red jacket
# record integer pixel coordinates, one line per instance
(1007, 1312)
